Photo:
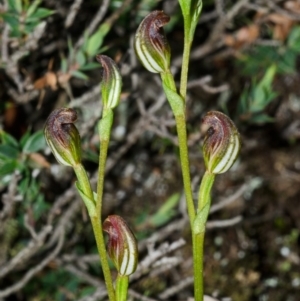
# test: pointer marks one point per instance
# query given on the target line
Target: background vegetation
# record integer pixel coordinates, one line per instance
(245, 62)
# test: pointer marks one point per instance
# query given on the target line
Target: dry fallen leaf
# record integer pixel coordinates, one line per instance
(293, 6)
(48, 80)
(244, 36)
(39, 159)
(282, 26)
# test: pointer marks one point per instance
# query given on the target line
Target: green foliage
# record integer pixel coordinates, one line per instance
(15, 158)
(23, 17)
(146, 221)
(280, 59)
(255, 99)
(81, 60)
(72, 286)
(284, 56)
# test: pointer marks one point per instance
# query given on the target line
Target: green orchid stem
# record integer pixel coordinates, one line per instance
(185, 65)
(185, 165)
(198, 239)
(122, 287)
(85, 186)
(177, 104)
(98, 233)
(104, 132)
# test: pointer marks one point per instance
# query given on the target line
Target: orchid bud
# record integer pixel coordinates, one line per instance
(150, 43)
(62, 136)
(221, 143)
(122, 245)
(111, 82)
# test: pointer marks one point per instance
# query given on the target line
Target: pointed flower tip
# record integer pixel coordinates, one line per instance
(122, 245)
(111, 82)
(62, 136)
(150, 43)
(221, 144)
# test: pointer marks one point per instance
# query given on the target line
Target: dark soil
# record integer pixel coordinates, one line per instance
(256, 258)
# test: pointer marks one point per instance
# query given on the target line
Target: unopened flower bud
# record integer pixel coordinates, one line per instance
(122, 245)
(150, 43)
(221, 143)
(111, 82)
(62, 136)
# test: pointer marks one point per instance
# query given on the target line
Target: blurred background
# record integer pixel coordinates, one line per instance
(244, 62)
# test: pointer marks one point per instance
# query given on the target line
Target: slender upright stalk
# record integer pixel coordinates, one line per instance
(122, 287)
(185, 165)
(198, 242)
(185, 65)
(104, 131)
(97, 227)
(178, 108)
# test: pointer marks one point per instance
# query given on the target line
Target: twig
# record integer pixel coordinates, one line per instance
(278, 9)
(98, 294)
(139, 296)
(202, 82)
(225, 202)
(224, 223)
(29, 227)
(96, 20)
(90, 95)
(32, 272)
(154, 255)
(171, 291)
(165, 264)
(162, 233)
(72, 13)
(27, 252)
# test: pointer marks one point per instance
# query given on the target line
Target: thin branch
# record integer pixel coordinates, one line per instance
(32, 272)
(95, 22)
(224, 223)
(74, 9)
(27, 252)
(230, 199)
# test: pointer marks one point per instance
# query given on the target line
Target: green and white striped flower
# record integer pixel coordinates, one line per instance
(63, 137)
(122, 245)
(221, 144)
(111, 84)
(151, 45)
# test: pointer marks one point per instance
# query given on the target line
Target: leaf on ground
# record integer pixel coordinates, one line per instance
(244, 36)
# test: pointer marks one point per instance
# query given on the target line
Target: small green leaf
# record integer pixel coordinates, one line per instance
(96, 40)
(165, 212)
(7, 168)
(64, 65)
(32, 8)
(262, 118)
(40, 13)
(294, 38)
(8, 152)
(175, 100)
(89, 203)
(12, 20)
(80, 58)
(200, 220)
(8, 139)
(24, 139)
(85, 41)
(90, 66)
(79, 74)
(35, 143)
(15, 5)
